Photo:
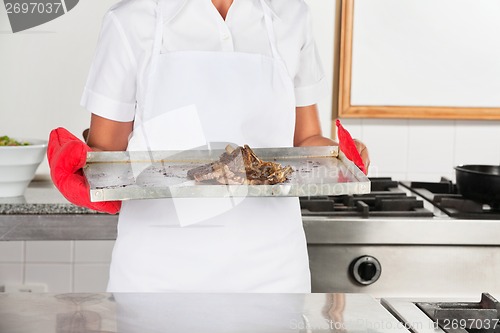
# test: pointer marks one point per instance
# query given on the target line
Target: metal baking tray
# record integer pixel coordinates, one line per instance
(318, 171)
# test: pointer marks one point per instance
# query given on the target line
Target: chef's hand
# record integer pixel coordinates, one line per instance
(67, 155)
(308, 133)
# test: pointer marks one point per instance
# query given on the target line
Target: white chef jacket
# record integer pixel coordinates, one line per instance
(117, 76)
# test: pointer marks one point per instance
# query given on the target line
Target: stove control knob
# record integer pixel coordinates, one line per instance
(365, 270)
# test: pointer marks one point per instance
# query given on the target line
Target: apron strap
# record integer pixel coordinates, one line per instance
(270, 29)
(157, 44)
(160, 11)
(165, 12)
(158, 30)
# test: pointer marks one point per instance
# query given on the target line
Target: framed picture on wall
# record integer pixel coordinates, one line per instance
(419, 59)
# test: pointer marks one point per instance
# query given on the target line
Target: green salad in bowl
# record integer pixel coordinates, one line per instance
(19, 160)
(8, 141)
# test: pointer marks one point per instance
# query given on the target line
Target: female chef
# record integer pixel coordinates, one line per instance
(184, 74)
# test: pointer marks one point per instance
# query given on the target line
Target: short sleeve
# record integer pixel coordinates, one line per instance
(310, 82)
(110, 91)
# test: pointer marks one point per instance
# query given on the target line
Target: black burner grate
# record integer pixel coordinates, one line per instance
(385, 200)
(444, 195)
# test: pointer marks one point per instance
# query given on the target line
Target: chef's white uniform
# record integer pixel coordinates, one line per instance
(188, 79)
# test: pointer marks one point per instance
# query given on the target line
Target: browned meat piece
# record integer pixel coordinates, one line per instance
(240, 166)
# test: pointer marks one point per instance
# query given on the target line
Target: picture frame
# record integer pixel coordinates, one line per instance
(344, 107)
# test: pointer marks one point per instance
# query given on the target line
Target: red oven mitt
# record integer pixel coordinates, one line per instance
(67, 155)
(348, 147)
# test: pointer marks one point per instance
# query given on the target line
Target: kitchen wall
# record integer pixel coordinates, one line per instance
(58, 266)
(426, 149)
(409, 149)
(43, 72)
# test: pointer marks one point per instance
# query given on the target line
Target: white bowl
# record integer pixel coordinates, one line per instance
(18, 165)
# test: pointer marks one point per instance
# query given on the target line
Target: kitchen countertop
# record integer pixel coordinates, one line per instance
(41, 197)
(191, 312)
(44, 214)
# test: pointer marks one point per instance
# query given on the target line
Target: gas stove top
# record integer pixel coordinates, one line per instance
(386, 199)
(407, 199)
(444, 195)
(400, 241)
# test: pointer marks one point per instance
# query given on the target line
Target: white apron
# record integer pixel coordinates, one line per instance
(206, 99)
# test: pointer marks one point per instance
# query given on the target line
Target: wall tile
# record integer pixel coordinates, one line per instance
(430, 145)
(373, 172)
(49, 251)
(431, 177)
(11, 274)
(427, 148)
(57, 277)
(90, 277)
(93, 251)
(12, 251)
(477, 142)
(387, 142)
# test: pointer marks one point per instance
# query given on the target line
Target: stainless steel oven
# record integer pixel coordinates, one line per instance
(400, 241)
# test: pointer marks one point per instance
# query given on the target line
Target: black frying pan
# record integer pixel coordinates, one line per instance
(479, 183)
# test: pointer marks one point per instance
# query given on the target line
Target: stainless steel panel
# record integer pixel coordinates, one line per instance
(161, 174)
(412, 317)
(409, 270)
(402, 231)
(194, 312)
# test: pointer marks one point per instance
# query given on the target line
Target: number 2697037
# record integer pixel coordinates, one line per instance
(33, 7)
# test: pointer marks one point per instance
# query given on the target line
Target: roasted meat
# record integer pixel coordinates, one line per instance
(240, 166)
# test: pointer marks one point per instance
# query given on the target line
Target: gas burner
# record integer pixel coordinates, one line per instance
(444, 195)
(464, 317)
(385, 200)
(447, 316)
